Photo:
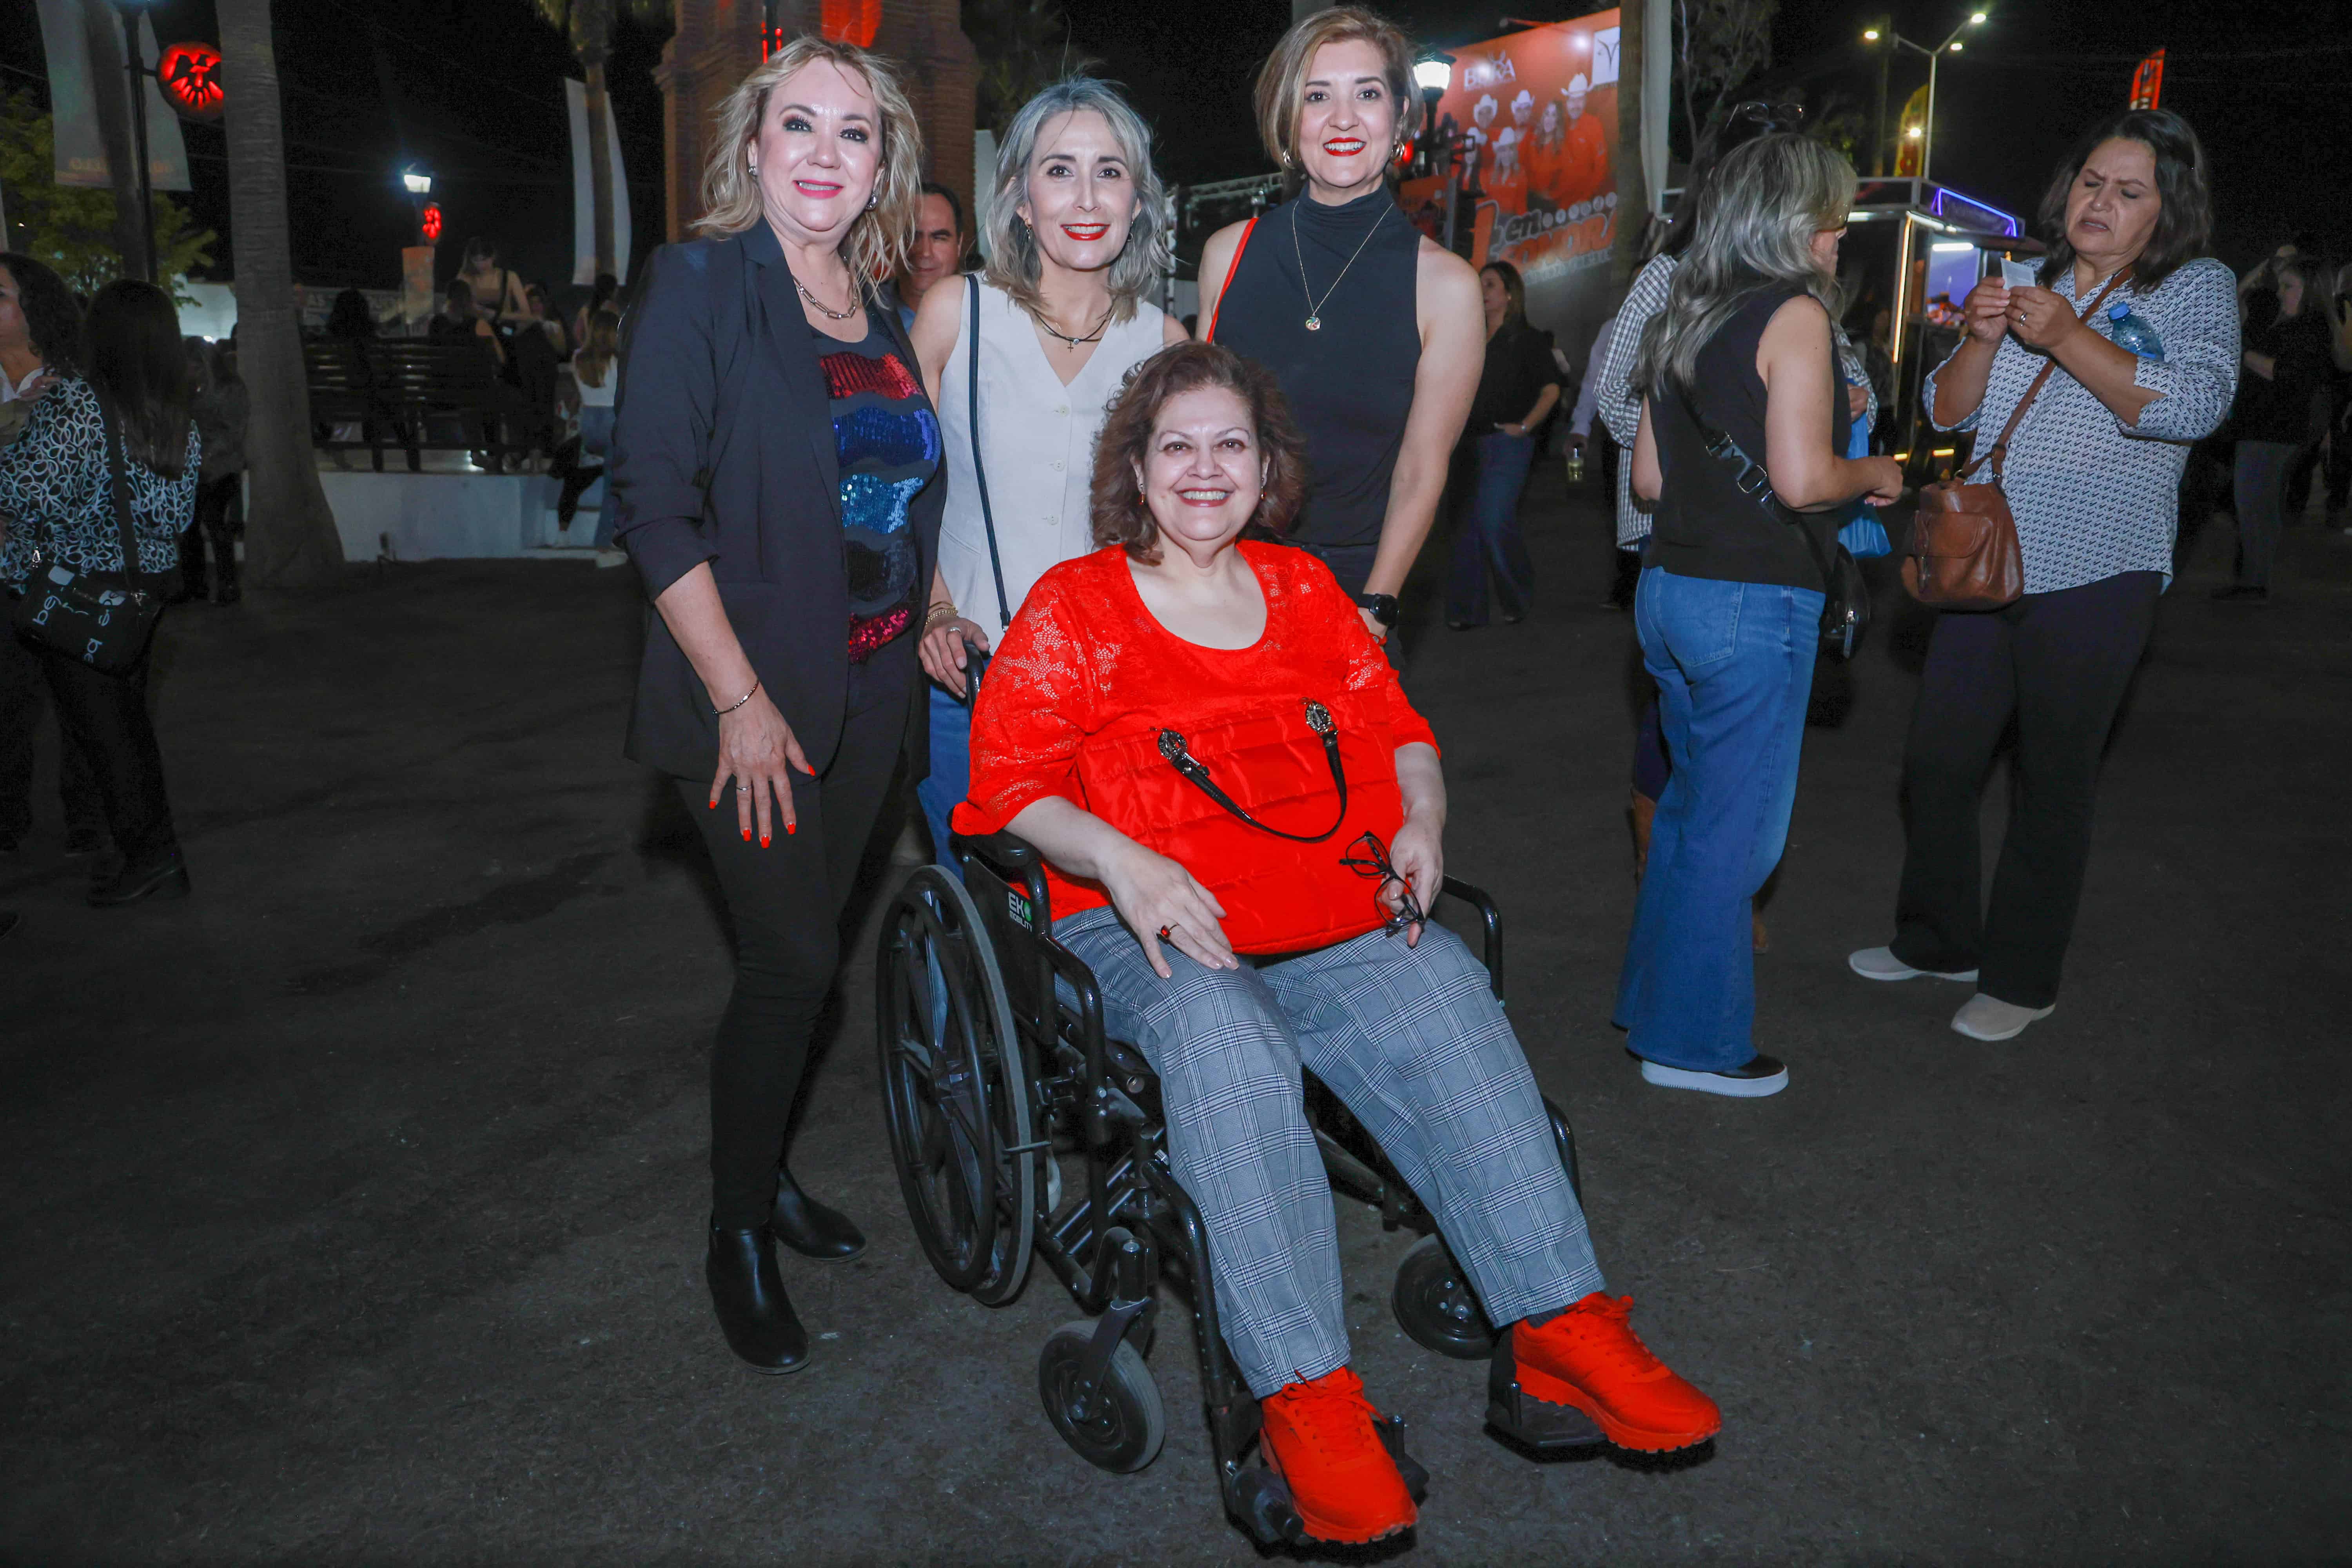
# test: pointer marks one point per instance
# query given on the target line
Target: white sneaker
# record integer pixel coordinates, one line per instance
(1983, 1017)
(1759, 1077)
(1880, 963)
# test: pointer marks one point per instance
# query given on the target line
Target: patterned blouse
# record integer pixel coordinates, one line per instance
(889, 447)
(54, 492)
(2094, 497)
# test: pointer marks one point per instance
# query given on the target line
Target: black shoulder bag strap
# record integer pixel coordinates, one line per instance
(979, 468)
(1319, 719)
(1753, 480)
(121, 484)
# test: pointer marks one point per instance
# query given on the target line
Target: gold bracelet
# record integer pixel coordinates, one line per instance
(938, 616)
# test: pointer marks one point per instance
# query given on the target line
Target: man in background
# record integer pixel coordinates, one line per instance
(937, 251)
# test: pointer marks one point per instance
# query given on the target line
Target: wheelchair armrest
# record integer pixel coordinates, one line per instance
(1490, 921)
(1008, 855)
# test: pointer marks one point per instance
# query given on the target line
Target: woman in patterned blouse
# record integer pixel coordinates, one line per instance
(56, 498)
(2092, 475)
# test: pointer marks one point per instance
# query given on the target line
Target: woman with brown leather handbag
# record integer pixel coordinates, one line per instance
(2085, 477)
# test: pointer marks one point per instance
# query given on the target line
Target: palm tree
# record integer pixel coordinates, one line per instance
(290, 537)
(587, 26)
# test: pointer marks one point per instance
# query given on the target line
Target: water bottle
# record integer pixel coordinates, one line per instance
(2127, 330)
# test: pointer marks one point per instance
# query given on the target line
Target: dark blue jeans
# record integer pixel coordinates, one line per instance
(1733, 664)
(950, 776)
(1487, 537)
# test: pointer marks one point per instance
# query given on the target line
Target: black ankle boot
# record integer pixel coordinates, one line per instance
(810, 1228)
(748, 1294)
(164, 877)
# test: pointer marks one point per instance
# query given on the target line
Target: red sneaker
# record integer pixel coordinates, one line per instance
(1319, 1437)
(1587, 1358)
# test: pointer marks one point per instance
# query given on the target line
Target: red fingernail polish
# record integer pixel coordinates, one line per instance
(714, 806)
(792, 827)
(747, 836)
(765, 841)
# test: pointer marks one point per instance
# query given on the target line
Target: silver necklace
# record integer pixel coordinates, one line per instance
(822, 309)
(1315, 306)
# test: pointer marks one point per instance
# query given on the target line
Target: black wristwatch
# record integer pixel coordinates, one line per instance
(1383, 605)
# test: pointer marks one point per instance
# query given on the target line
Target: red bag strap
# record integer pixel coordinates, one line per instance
(2000, 449)
(1231, 267)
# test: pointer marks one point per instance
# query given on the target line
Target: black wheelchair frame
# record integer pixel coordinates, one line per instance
(992, 1046)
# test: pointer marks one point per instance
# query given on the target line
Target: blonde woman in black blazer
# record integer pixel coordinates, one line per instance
(775, 469)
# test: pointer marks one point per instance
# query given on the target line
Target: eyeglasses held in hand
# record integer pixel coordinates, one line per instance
(1367, 856)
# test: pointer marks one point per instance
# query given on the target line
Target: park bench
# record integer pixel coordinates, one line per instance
(412, 395)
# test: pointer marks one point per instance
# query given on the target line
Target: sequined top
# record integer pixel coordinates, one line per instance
(1085, 664)
(888, 446)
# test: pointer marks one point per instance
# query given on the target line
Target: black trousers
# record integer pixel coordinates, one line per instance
(2058, 664)
(786, 902)
(24, 692)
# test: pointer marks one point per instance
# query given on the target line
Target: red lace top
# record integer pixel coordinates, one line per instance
(1085, 667)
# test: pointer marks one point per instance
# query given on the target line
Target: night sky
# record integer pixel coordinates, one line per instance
(472, 88)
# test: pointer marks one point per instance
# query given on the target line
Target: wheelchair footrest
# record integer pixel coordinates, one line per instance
(1532, 1422)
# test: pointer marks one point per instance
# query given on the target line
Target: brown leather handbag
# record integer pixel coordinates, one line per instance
(1962, 552)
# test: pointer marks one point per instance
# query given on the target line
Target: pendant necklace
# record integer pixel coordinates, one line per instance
(1095, 336)
(1315, 306)
(822, 309)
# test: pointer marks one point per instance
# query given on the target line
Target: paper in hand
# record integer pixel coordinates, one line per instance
(2016, 274)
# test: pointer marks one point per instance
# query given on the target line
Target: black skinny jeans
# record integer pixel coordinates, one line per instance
(786, 902)
(24, 692)
(2058, 663)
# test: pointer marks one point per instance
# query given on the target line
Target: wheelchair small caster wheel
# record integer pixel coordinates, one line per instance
(1129, 1425)
(1434, 1303)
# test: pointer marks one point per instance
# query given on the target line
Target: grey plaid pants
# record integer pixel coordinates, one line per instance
(1416, 1046)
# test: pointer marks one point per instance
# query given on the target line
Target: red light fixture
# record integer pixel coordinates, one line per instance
(190, 76)
(851, 21)
(428, 222)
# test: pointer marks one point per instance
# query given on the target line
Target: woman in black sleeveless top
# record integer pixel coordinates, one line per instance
(1729, 606)
(1375, 333)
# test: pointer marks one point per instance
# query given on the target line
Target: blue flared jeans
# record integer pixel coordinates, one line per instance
(1733, 664)
(1487, 541)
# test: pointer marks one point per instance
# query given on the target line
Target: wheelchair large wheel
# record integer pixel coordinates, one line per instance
(955, 1089)
(1124, 1434)
(1434, 1303)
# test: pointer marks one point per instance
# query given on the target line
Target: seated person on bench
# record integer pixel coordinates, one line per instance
(1275, 925)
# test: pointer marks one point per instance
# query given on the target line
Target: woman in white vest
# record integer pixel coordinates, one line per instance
(1077, 238)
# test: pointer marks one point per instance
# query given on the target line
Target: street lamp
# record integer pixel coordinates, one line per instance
(1951, 44)
(134, 64)
(416, 184)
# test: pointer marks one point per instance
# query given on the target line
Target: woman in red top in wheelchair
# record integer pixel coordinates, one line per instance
(1235, 950)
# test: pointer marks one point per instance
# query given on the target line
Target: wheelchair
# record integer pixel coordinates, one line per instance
(993, 1059)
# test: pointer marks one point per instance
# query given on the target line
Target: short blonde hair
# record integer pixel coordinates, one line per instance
(877, 244)
(1013, 261)
(1282, 80)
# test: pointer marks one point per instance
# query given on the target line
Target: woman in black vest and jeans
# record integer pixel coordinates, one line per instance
(775, 470)
(1375, 333)
(56, 495)
(1729, 606)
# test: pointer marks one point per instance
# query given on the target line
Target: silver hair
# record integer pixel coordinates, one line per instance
(1755, 226)
(1013, 261)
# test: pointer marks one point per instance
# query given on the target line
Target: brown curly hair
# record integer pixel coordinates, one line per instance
(1120, 514)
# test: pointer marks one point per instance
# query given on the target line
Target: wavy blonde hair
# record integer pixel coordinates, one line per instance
(1014, 263)
(875, 246)
(1281, 92)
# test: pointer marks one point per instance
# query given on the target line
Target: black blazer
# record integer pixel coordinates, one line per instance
(723, 451)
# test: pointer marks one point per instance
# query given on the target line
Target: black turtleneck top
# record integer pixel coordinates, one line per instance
(1349, 383)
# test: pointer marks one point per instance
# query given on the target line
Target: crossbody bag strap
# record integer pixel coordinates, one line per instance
(979, 468)
(1752, 479)
(1318, 719)
(1231, 267)
(120, 484)
(1998, 453)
